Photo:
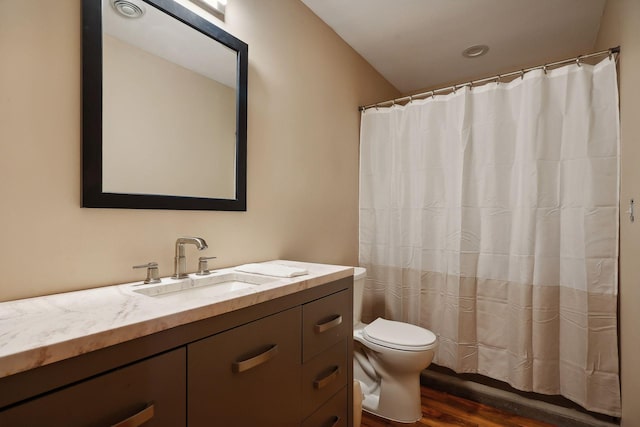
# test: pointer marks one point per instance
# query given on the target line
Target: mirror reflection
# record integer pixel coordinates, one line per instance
(164, 108)
(169, 107)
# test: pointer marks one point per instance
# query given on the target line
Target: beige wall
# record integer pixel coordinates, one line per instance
(304, 88)
(621, 26)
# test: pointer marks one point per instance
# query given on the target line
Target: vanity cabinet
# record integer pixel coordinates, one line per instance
(249, 375)
(149, 393)
(327, 335)
(283, 362)
(275, 371)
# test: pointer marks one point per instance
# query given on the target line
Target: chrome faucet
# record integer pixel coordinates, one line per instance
(181, 260)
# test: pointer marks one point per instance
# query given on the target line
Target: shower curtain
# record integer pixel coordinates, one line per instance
(490, 217)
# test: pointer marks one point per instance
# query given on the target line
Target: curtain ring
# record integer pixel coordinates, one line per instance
(578, 61)
(393, 103)
(433, 94)
(376, 107)
(544, 68)
(498, 79)
(471, 85)
(455, 89)
(521, 74)
(610, 54)
(410, 99)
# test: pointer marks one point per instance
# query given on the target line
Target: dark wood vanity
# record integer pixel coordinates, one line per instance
(283, 362)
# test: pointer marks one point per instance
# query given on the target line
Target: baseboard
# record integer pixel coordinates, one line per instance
(512, 401)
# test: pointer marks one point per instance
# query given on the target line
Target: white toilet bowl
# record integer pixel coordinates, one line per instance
(388, 359)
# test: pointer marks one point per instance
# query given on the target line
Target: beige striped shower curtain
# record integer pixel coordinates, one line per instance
(490, 216)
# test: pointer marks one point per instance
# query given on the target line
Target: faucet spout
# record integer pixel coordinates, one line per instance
(181, 259)
(198, 241)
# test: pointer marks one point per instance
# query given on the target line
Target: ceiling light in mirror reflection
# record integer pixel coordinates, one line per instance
(128, 9)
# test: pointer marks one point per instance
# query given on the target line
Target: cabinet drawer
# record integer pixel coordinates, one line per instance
(331, 414)
(153, 389)
(247, 376)
(325, 322)
(323, 376)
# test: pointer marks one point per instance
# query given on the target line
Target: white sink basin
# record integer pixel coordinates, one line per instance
(213, 285)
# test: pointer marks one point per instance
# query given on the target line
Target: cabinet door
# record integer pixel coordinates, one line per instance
(247, 376)
(325, 322)
(323, 376)
(150, 393)
(331, 414)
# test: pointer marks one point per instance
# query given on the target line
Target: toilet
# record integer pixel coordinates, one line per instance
(388, 359)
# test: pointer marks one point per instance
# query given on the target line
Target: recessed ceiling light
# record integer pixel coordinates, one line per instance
(127, 8)
(475, 51)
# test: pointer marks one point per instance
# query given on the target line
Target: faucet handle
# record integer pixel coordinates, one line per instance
(203, 269)
(152, 272)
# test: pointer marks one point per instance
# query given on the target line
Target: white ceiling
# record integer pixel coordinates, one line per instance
(418, 44)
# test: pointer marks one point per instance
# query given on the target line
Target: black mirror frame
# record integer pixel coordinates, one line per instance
(92, 194)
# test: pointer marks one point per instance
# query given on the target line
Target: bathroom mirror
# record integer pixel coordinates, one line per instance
(164, 108)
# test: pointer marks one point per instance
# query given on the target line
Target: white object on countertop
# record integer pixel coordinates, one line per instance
(277, 270)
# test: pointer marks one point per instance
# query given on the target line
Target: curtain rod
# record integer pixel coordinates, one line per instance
(496, 78)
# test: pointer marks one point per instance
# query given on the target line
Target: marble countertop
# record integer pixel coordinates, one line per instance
(42, 330)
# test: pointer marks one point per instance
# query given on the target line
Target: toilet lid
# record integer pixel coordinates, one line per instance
(398, 335)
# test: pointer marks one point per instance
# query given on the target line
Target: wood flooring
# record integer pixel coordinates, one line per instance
(441, 409)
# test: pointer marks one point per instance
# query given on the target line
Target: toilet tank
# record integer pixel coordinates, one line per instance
(359, 276)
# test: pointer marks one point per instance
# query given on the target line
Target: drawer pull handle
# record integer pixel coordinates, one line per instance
(336, 421)
(245, 365)
(324, 327)
(323, 382)
(138, 419)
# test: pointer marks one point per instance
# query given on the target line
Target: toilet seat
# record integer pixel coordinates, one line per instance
(398, 335)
